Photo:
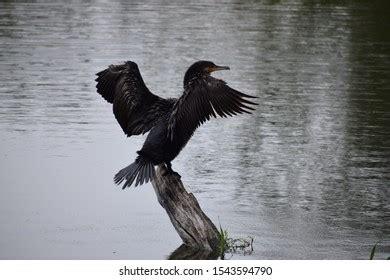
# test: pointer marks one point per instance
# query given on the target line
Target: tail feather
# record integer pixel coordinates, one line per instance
(141, 175)
(121, 175)
(142, 170)
(148, 171)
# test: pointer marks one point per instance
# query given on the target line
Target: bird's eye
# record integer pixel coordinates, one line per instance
(210, 69)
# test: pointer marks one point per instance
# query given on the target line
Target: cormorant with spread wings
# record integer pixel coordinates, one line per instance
(171, 121)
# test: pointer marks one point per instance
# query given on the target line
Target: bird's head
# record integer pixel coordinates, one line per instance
(200, 68)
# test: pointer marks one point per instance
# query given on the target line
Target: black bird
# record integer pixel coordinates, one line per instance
(171, 121)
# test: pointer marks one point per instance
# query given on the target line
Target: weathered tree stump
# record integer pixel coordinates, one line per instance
(194, 227)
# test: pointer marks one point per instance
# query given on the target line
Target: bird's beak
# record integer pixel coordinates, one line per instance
(218, 68)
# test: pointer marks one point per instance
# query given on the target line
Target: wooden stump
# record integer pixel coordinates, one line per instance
(194, 227)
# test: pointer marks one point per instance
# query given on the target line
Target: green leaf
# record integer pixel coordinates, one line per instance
(373, 251)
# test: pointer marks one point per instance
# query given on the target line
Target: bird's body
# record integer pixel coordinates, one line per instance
(171, 122)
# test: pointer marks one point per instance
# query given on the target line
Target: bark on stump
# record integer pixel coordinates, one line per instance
(194, 227)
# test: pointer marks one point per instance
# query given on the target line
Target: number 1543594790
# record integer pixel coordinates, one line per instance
(242, 270)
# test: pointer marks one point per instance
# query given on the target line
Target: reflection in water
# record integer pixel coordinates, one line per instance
(307, 175)
(187, 253)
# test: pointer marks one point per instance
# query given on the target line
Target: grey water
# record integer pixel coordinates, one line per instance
(307, 175)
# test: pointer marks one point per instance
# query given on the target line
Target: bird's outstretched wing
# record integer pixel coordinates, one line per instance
(136, 109)
(205, 97)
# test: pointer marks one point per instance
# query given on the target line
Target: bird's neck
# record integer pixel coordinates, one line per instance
(189, 77)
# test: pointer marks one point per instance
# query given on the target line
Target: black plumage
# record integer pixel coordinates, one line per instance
(171, 121)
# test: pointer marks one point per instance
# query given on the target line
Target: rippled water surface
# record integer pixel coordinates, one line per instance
(307, 175)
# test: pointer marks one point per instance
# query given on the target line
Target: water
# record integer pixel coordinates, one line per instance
(307, 175)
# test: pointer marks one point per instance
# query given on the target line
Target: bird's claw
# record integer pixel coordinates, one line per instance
(169, 171)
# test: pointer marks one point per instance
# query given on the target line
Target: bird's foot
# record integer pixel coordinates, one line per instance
(176, 174)
(169, 171)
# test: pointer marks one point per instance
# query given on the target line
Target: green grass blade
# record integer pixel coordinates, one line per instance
(373, 251)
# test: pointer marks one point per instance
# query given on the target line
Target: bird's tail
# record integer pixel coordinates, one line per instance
(142, 170)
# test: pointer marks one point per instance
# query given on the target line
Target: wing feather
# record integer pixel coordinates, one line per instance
(204, 98)
(136, 109)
